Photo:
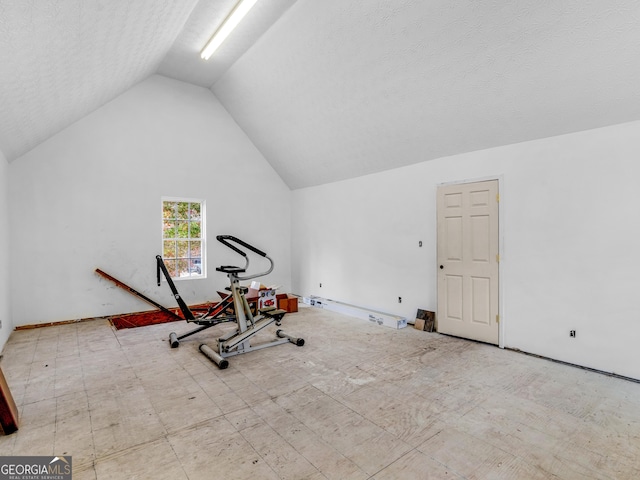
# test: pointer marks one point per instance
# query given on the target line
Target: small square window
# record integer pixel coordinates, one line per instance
(183, 238)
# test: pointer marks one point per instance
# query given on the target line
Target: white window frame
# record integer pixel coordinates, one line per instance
(202, 239)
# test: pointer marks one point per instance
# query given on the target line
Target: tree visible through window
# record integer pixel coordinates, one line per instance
(183, 237)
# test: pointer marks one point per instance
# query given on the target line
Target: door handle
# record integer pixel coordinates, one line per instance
(441, 267)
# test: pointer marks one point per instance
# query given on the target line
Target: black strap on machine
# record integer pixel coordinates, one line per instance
(225, 239)
(160, 266)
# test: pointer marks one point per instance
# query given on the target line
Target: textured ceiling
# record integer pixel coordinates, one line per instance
(338, 89)
(333, 89)
(62, 59)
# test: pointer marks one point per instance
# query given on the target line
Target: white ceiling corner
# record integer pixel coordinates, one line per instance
(62, 59)
(183, 61)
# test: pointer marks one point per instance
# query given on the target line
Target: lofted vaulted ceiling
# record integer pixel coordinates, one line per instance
(333, 89)
(62, 59)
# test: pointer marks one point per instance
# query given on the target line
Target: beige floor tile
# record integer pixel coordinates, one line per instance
(283, 458)
(41, 383)
(324, 457)
(253, 394)
(184, 408)
(228, 401)
(367, 445)
(215, 449)
(357, 401)
(243, 419)
(127, 431)
(38, 414)
(84, 473)
(446, 445)
(155, 460)
(416, 465)
(110, 406)
(35, 440)
(7, 442)
(74, 437)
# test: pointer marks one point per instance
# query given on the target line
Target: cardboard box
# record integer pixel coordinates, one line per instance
(267, 298)
(388, 320)
(425, 320)
(313, 301)
(287, 302)
(374, 316)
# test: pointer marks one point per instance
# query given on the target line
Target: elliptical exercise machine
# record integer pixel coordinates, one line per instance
(234, 307)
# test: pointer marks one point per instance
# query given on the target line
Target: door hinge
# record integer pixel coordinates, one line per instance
(497, 318)
(498, 257)
(498, 197)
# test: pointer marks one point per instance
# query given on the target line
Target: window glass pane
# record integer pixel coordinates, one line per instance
(195, 211)
(182, 248)
(171, 267)
(183, 238)
(183, 268)
(182, 212)
(168, 209)
(182, 229)
(169, 249)
(196, 266)
(168, 229)
(195, 230)
(196, 248)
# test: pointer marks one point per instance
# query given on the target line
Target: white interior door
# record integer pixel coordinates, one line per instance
(468, 261)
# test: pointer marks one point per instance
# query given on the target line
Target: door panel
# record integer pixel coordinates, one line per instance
(453, 200)
(453, 236)
(479, 198)
(468, 261)
(480, 238)
(454, 297)
(480, 300)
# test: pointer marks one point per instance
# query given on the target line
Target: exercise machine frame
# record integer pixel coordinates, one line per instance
(233, 307)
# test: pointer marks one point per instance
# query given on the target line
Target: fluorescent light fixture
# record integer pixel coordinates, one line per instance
(231, 22)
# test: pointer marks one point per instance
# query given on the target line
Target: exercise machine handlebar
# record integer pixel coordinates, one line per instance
(225, 240)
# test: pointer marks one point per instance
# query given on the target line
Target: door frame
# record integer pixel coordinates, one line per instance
(501, 230)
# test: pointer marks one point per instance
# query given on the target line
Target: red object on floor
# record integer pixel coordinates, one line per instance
(8, 410)
(133, 320)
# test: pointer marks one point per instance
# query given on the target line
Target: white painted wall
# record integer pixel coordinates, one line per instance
(90, 197)
(5, 295)
(569, 247)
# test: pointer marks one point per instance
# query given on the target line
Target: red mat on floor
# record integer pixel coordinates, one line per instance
(133, 320)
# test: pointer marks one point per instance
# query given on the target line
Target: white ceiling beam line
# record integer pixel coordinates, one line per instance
(231, 22)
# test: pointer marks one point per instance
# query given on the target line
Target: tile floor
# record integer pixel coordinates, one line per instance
(358, 401)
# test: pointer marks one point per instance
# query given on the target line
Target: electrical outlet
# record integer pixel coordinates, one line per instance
(572, 333)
